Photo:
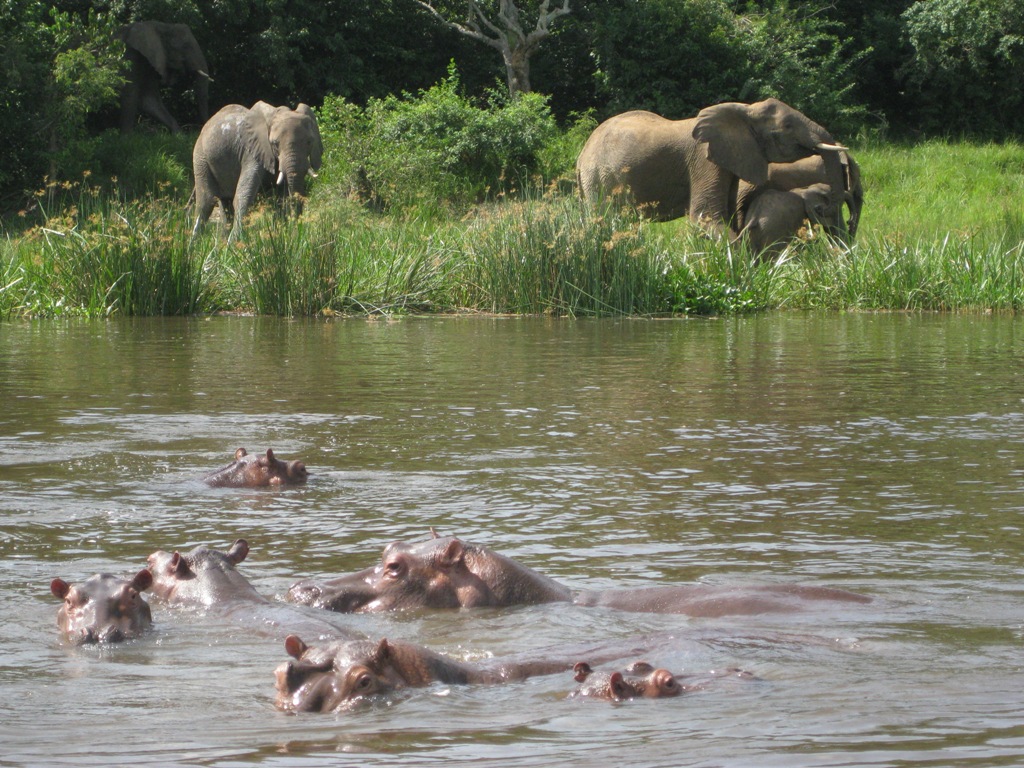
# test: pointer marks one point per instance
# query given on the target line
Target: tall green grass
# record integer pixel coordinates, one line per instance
(943, 229)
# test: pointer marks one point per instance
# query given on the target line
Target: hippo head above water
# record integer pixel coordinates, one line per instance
(342, 675)
(640, 680)
(204, 576)
(438, 573)
(103, 608)
(257, 471)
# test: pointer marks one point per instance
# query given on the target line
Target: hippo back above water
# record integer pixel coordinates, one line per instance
(103, 608)
(438, 573)
(257, 471)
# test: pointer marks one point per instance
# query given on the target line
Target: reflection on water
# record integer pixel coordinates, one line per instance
(879, 453)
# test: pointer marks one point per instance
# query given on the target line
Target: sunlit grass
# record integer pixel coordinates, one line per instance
(943, 229)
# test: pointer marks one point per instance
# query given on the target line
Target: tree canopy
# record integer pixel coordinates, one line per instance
(898, 67)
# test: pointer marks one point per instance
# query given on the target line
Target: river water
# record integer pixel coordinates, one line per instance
(879, 453)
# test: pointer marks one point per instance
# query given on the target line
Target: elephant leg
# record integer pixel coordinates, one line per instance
(129, 107)
(204, 207)
(151, 104)
(245, 193)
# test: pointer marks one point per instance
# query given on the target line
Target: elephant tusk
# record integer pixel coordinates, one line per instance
(831, 147)
(313, 173)
(205, 74)
(280, 178)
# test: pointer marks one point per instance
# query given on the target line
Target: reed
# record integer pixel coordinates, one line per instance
(553, 256)
(102, 257)
(943, 230)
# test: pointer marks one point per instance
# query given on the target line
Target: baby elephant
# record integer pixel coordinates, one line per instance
(257, 471)
(774, 217)
(103, 608)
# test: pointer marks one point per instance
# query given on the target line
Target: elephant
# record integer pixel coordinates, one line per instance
(157, 53)
(773, 217)
(673, 168)
(239, 149)
(804, 173)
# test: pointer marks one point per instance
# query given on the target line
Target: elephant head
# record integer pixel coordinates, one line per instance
(157, 54)
(773, 217)
(745, 138)
(295, 141)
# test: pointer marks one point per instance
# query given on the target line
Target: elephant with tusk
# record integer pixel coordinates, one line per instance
(240, 148)
(158, 54)
(674, 168)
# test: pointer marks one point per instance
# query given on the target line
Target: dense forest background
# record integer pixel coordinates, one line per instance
(864, 68)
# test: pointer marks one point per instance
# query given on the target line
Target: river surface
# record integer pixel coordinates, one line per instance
(883, 454)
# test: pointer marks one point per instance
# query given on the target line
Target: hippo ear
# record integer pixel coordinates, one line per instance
(239, 550)
(60, 588)
(270, 455)
(581, 671)
(241, 452)
(383, 652)
(620, 690)
(452, 555)
(294, 646)
(178, 566)
(143, 580)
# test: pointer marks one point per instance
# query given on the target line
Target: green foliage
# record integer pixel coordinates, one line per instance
(101, 258)
(541, 256)
(966, 53)
(58, 68)
(438, 146)
(797, 56)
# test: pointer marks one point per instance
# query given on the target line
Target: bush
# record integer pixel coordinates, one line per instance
(439, 146)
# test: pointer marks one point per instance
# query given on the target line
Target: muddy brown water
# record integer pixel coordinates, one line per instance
(879, 453)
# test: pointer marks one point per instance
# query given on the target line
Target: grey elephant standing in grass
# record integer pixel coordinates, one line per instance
(774, 216)
(671, 168)
(158, 54)
(804, 173)
(240, 149)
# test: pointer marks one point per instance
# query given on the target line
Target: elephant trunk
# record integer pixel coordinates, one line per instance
(837, 179)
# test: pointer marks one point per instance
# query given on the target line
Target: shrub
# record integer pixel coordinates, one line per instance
(439, 145)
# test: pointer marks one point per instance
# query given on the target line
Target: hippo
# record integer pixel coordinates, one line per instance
(449, 573)
(203, 576)
(209, 577)
(342, 675)
(257, 471)
(103, 608)
(438, 573)
(642, 680)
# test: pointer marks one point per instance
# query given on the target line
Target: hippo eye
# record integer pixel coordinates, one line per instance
(364, 683)
(394, 569)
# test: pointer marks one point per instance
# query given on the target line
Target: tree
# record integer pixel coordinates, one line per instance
(506, 33)
(968, 64)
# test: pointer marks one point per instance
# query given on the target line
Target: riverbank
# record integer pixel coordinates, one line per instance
(943, 230)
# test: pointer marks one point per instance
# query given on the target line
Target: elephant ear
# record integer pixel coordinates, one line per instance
(817, 199)
(182, 49)
(256, 133)
(142, 36)
(731, 142)
(266, 110)
(316, 146)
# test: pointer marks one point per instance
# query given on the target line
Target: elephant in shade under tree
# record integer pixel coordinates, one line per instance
(158, 54)
(240, 149)
(805, 173)
(773, 217)
(671, 168)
